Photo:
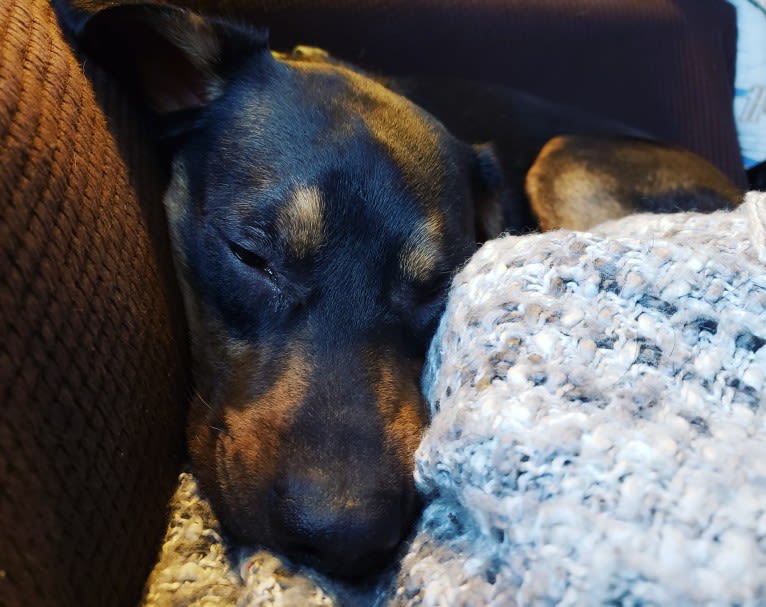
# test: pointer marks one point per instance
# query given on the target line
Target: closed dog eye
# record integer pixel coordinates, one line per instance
(289, 291)
(252, 259)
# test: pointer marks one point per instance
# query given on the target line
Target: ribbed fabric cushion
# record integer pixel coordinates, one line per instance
(92, 353)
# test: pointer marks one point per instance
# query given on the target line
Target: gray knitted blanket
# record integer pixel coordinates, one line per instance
(598, 433)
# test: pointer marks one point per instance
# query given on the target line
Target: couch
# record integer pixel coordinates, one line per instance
(93, 358)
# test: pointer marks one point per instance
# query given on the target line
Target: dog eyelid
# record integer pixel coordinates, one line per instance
(252, 259)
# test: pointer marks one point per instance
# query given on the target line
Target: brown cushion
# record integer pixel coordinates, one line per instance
(92, 356)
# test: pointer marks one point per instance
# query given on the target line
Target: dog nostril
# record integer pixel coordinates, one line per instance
(345, 537)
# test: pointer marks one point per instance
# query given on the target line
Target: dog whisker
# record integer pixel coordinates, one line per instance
(202, 400)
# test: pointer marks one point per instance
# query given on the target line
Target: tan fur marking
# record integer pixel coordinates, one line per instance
(588, 200)
(301, 221)
(577, 182)
(667, 169)
(536, 183)
(401, 409)
(235, 436)
(420, 252)
(567, 195)
(255, 432)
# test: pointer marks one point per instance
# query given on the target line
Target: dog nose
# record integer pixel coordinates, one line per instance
(343, 533)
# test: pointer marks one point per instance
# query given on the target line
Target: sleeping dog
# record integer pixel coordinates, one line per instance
(317, 217)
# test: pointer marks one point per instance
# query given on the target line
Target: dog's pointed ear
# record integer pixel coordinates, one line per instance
(175, 59)
(489, 192)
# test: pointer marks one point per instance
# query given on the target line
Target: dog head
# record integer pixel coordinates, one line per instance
(317, 218)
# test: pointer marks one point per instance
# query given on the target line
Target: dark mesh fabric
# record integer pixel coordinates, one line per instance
(92, 354)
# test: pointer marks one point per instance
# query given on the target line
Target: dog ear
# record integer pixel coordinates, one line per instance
(489, 192)
(175, 59)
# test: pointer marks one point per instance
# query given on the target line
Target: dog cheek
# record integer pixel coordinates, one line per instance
(247, 468)
(402, 409)
(251, 452)
(405, 431)
(248, 461)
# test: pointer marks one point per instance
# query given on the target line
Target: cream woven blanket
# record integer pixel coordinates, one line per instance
(598, 433)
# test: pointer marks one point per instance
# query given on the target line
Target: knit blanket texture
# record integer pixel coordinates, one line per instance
(598, 434)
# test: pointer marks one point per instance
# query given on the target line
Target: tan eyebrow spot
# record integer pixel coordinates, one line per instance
(301, 221)
(420, 252)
